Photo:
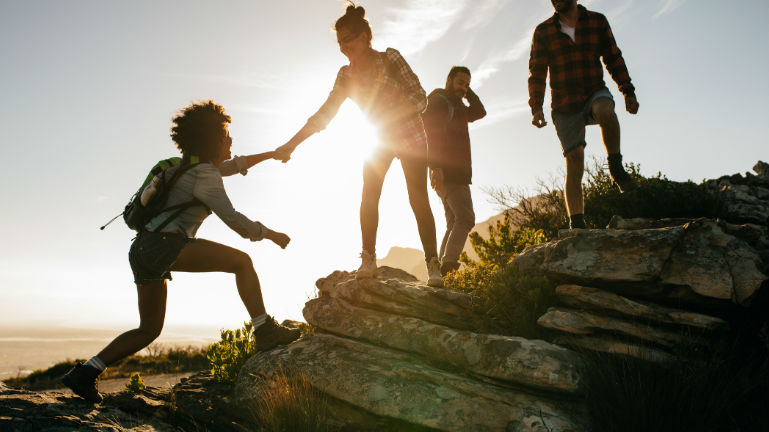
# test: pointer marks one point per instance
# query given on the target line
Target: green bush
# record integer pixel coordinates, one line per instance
(135, 383)
(656, 197)
(230, 354)
(509, 302)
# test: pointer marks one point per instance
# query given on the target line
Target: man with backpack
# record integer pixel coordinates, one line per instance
(570, 45)
(446, 119)
(166, 240)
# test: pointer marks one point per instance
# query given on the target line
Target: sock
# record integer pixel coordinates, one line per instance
(258, 320)
(577, 221)
(615, 163)
(96, 363)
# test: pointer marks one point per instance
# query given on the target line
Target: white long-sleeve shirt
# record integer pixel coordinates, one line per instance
(204, 182)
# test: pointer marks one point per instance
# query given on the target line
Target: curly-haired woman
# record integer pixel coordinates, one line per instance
(201, 133)
(389, 93)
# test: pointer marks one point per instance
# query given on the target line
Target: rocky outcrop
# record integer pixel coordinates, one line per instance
(640, 287)
(696, 263)
(397, 349)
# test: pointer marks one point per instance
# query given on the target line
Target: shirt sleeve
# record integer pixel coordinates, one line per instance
(475, 109)
(615, 63)
(238, 164)
(328, 110)
(413, 90)
(538, 65)
(209, 189)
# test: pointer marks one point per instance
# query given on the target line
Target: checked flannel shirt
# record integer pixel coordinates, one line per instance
(575, 67)
(390, 95)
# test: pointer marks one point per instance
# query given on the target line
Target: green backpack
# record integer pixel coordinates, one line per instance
(151, 197)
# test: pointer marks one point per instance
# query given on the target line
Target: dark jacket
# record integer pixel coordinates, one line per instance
(448, 141)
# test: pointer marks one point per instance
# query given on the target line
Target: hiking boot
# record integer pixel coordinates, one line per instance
(82, 381)
(367, 267)
(448, 267)
(271, 334)
(621, 178)
(434, 278)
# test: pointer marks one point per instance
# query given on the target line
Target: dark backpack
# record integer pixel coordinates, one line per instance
(155, 188)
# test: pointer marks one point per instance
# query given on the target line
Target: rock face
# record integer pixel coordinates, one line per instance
(695, 263)
(620, 283)
(398, 349)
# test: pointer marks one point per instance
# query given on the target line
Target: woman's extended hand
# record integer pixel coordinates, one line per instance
(283, 153)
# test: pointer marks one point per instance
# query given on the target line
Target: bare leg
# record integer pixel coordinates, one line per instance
(374, 172)
(575, 168)
(603, 113)
(207, 256)
(416, 183)
(152, 312)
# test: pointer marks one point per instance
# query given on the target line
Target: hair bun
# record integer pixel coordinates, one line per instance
(355, 10)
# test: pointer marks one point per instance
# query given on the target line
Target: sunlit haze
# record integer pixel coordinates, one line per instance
(89, 89)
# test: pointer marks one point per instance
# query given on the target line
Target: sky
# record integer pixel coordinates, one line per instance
(89, 88)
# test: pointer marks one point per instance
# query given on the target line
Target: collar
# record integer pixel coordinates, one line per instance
(556, 20)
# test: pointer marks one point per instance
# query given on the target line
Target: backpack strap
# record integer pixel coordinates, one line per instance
(450, 106)
(179, 208)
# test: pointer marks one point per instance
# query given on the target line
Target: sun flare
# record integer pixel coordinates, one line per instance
(351, 134)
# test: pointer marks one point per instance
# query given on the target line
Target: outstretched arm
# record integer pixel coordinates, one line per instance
(283, 153)
(241, 164)
(318, 121)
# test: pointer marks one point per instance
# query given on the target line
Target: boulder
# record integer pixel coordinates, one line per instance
(536, 363)
(395, 384)
(696, 263)
(397, 292)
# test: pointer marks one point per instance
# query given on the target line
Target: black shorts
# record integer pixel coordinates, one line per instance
(152, 255)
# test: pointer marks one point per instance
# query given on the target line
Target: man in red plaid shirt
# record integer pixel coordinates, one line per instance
(570, 44)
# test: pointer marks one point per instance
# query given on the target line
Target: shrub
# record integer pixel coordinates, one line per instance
(509, 302)
(135, 383)
(230, 354)
(656, 197)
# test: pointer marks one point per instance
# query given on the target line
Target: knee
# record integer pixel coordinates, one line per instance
(575, 160)
(242, 262)
(603, 112)
(151, 331)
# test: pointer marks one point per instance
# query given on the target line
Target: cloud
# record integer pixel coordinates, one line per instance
(494, 62)
(418, 23)
(667, 7)
(500, 112)
(481, 13)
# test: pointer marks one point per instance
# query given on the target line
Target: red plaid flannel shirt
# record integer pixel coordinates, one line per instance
(390, 96)
(575, 67)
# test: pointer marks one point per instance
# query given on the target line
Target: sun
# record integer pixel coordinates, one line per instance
(351, 135)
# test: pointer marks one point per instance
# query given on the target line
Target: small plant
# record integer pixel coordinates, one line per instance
(135, 383)
(230, 354)
(289, 403)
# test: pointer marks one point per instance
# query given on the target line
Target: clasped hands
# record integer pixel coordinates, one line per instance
(283, 153)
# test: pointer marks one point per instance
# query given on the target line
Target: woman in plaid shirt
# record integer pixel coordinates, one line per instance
(389, 93)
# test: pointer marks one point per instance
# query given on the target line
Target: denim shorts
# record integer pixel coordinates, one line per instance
(570, 127)
(152, 255)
